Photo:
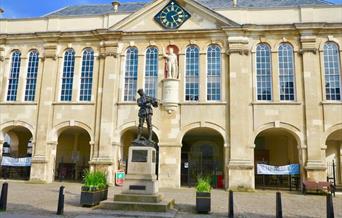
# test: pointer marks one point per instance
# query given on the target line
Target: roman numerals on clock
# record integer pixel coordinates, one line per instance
(172, 16)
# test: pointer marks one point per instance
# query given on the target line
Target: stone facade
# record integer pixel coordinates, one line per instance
(232, 124)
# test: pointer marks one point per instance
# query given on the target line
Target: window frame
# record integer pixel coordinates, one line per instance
(220, 72)
(134, 78)
(62, 75)
(186, 72)
(36, 75)
(87, 78)
(339, 70)
(270, 76)
(156, 72)
(8, 98)
(293, 64)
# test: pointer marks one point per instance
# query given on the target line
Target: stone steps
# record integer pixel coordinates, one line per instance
(163, 206)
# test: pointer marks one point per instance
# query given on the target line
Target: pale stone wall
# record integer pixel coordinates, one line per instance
(238, 118)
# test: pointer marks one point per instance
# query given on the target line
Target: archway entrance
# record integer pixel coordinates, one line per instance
(18, 148)
(276, 147)
(334, 157)
(126, 139)
(73, 154)
(202, 155)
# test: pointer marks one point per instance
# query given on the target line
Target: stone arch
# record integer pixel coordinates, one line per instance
(15, 123)
(58, 129)
(293, 130)
(329, 131)
(257, 42)
(275, 45)
(203, 152)
(329, 39)
(195, 125)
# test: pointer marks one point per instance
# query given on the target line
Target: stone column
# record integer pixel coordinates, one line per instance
(315, 166)
(169, 165)
(42, 164)
(241, 166)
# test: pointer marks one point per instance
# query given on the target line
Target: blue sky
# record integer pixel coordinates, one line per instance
(36, 8)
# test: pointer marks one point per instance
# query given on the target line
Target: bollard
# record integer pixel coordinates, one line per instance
(60, 207)
(231, 205)
(330, 206)
(279, 210)
(3, 198)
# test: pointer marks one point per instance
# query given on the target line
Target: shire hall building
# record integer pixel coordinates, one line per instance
(258, 82)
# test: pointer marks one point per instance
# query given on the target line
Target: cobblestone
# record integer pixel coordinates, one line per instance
(40, 200)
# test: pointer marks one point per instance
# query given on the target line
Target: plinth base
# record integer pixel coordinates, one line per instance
(146, 203)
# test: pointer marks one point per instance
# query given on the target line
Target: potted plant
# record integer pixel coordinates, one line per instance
(95, 188)
(203, 200)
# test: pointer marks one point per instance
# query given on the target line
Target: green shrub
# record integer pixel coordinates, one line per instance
(96, 180)
(203, 184)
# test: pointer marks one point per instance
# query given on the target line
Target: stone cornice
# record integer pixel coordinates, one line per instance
(238, 44)
(297, 27)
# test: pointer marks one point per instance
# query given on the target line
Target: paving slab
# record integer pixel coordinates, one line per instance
(27, 200)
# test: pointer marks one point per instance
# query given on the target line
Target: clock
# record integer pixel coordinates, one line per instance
(172, 16)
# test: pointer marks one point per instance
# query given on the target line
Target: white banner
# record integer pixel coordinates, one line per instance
(292, 169)
(16, 162)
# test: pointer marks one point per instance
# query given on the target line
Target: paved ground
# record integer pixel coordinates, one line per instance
(40, 201)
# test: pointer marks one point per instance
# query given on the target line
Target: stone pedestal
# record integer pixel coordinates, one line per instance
(170, 98)
(140, 190)
(141, 177)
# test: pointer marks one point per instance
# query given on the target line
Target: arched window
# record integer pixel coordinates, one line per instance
(14, 76)
(68, 75)
(263, 72)
(192, 74)
(151, 71)
(131, 74)
(332, 67)
(87, 74)
(31, 78)
(214, 73)
(286, 72)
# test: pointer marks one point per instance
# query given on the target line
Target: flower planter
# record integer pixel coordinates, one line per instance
(91, 198)
(104, 194)
(203, 202)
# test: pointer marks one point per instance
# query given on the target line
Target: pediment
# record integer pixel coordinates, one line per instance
(201, 18)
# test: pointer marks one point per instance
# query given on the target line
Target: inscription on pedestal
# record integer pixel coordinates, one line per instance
(139, 156)
(137, 187)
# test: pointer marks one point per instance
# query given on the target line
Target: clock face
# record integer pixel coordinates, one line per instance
(172, 16)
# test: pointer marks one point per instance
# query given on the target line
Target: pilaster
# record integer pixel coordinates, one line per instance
(107, 91)
(240, 113)
(42, 164)
(169, 165)
(315, 166)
